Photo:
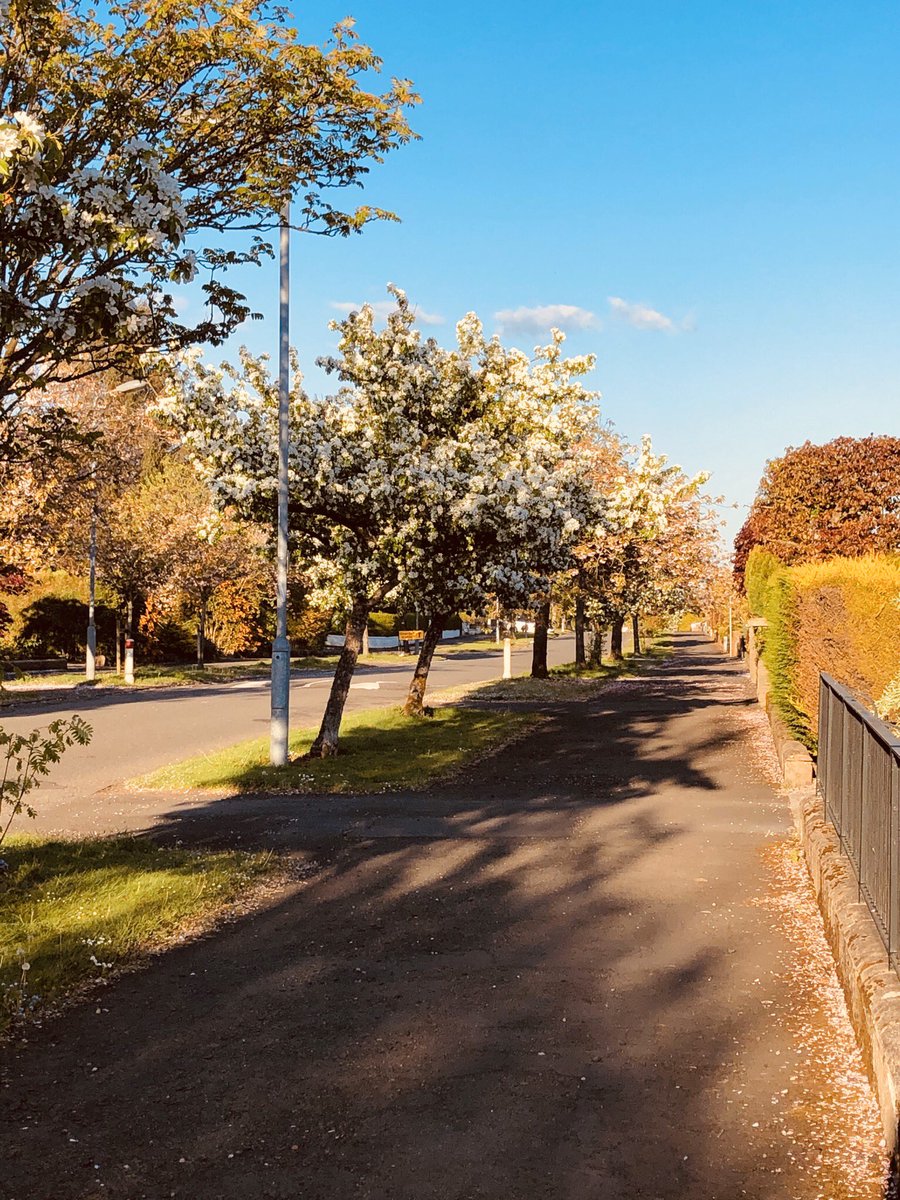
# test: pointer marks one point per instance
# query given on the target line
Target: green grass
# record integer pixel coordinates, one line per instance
(65, 903)
(380, 750)
(482, 645)
(566, 682)
(22, 688)
(221, 672)
(162, 676)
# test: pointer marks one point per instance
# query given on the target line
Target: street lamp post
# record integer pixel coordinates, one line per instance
(281, 647)
(90, 661)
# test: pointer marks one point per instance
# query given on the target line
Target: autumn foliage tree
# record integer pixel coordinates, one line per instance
(840, 499)
(132, 138)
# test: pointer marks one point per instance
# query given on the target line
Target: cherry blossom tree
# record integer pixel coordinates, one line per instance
(634, 563)
(517, 494)
(432, 474)
(364, 465)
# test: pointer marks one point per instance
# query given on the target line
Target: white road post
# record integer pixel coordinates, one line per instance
(507, 658)
(281, 647)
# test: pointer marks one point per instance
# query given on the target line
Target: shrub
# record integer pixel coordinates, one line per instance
(160, 636)
(308, 630)
(383, 624)
(761, 566)
(53, 626)
(839, 617)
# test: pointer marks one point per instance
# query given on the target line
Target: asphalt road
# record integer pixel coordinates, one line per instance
(136, 732)
(591, 968)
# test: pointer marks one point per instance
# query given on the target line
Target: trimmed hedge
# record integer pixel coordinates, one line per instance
(838, 616)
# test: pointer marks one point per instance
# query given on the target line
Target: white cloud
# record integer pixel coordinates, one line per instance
(546, 317)
(641, 316)
(382, 308)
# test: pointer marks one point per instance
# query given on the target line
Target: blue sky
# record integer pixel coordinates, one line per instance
(713, 187)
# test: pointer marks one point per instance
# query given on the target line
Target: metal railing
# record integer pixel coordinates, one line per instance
(859, 780)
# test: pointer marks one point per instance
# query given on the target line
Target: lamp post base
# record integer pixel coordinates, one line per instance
(281, 689)
(90, 658)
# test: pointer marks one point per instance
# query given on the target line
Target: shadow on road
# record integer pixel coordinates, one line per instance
(496, 989)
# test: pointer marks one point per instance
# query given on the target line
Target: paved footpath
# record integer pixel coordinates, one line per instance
(591, 969)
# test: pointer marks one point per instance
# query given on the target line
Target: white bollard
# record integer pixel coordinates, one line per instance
(507, 658)
(129, 660)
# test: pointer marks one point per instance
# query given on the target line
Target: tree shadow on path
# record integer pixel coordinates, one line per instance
(531, 996)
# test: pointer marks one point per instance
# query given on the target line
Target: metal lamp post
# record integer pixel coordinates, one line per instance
(281, 647)
(90, 660)
(129, 385)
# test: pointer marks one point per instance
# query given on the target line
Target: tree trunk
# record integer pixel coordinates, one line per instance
(597, 645)
(326, 742)
(539, 648)
(365, 639)
(636, 633)
(615, 647)
(415, 700)
(118, 642)
(201, 634)
(580, 658)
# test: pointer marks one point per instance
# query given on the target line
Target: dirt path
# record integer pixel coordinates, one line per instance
(592, 970)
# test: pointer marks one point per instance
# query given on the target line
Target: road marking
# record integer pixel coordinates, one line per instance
(365, 687)
(264, 683)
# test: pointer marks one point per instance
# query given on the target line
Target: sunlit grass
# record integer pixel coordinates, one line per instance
(24, 686)
(73, 911)
(565, 682)
(380, 750)
(483, 645)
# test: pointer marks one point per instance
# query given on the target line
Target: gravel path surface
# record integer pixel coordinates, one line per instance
(590, 969)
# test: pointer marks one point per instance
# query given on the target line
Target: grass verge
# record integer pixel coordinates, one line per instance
(75, 911)
(566, 682)
(487, 645)
(380, 750)
(165, 676)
